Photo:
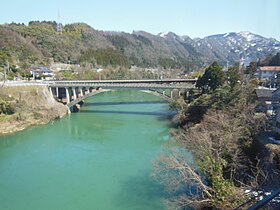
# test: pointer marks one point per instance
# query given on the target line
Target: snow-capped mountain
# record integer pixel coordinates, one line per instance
(233, 46)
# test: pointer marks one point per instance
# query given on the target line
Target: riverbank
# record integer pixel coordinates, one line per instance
(30, 105)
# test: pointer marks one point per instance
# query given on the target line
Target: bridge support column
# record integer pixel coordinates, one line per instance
(50, 89)
(163, 92)
(81, 92)
(187, 95)
(179, 93)
(56, 92)
(67, 95)
(74, 93)
(171, 94)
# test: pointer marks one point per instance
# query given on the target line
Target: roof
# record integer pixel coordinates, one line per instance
(42, 69)
(264, 93)
(270, 68)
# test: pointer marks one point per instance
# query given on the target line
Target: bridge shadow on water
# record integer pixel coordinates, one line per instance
(124, 103)
(160, 114)
(163, 114)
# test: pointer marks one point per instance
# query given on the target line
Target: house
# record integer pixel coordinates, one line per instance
(42, 73)
(265, 96)
(276, 98)
(276, 107)
(268, 73)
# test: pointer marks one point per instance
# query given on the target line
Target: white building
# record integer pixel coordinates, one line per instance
(267, 73)
(42, 73)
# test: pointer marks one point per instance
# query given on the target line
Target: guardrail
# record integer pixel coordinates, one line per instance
(265, 200)
(261, 203)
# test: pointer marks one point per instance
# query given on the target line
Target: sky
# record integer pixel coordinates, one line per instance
(195, 18)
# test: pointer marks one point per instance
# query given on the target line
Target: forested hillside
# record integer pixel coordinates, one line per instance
(78, 43)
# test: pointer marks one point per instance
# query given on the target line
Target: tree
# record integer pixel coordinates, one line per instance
(275, 61)
(6, 107)
(233, 76)
(251, 69)
(3, 57)
(212, 78)
(266, 61)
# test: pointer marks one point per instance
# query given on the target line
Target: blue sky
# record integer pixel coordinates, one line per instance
(195, 18)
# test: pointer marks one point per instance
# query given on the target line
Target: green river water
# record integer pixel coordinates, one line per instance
(99, 159)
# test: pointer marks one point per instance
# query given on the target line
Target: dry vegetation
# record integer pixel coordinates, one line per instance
(27, 105)
(211, 161)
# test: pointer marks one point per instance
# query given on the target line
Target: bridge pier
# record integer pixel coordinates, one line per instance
(74, 93)
(67, 95)
(171, 94)
(50, 89)
(163, 92)
(81, 92)
(56, 92)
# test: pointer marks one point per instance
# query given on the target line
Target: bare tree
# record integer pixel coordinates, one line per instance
(207, 176)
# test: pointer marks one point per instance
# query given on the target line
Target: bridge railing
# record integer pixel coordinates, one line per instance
(125, 85)
(123, 81)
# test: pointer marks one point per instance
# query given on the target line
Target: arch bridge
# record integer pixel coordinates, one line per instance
(74, 91)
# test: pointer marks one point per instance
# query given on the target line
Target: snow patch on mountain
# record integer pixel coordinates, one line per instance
(163, 34)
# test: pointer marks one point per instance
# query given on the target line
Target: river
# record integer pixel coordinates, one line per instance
(97, 159)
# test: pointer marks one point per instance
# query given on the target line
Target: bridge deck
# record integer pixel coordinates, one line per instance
(135, 84)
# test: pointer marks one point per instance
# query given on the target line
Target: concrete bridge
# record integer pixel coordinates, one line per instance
(77, 90)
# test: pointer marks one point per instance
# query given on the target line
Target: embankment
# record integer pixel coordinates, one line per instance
(28, 105)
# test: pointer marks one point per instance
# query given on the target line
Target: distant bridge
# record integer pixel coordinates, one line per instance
(77, 90)
(138, 84)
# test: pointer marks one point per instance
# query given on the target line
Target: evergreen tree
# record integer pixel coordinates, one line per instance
(233, 76)
(266, 61)
(275, 61)
(251, 69)
(212, 78)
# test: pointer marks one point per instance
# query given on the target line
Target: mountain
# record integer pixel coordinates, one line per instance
(234, 46)
(39, 42)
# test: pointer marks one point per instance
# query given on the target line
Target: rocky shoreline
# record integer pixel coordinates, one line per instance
(33, 105)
